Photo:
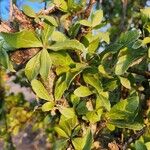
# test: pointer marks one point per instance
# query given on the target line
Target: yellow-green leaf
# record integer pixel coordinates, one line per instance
(40, 90)
(48, 106)
(23, 39)
(82, 91)
(125, 82)
(33, 67)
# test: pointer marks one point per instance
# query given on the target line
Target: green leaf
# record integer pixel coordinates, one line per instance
(46, 63)
(93, 46)
(93, 117)
(126, 58)
(146, 40)
(137, 44)
(29, 11)
(67, 112)
(74, 29)
(125, 109)
(58, 36)
(61, 4)
(82, 91)
(60, 87)
(33, 67)
(146, 11)
(68, 124)
(50, 19)
(46, 33)
(103, 99)
(40, 90)
(61, 132)
(48, 106)
(93, 81)
(147, 144)
(125, 82)
(88, 140)
(129, 37)
(81, 109)
(60, 144)
(97, 17)
(78, 143)
(125, 124)
(61, 58)
(23, 39)
(63, 83)
(104, 36)
(4, 60)
(139, 145)
(85, 23)
(67, 45)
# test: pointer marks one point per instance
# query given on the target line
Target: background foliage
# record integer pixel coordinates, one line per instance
(88, 64)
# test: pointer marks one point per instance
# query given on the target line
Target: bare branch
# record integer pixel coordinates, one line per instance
(133, 138)
(47, 11)
(146, 74)
(88, 9)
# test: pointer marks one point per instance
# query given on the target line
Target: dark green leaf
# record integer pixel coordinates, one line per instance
(88, 140)
(81, 108)
(125, 109)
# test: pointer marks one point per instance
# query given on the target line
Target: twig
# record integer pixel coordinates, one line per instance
(146, 74)
(10, 10)
(88, 9)
(124, 11)
(47, 11)
(133, 138)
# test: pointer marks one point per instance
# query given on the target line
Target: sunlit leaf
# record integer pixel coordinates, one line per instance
(23, 39)
(47, 106)
(45, 64)
(40, 90)
(33, 67)
(67, 45)
(82, 91)
(28, 11)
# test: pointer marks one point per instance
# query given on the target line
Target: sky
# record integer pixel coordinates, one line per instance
(4, 5)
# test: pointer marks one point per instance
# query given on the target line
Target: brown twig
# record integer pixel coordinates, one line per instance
(47, 11)
(88, 9)
(133, 138)
(124, 11)
(22, 19)
(145, 74)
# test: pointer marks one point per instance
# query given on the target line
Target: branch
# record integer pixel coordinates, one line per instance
(22, 19)
(47, 11)
(89, 8)
(133, 138)
(146, 74)
(124, 11)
